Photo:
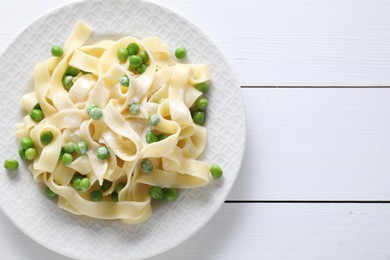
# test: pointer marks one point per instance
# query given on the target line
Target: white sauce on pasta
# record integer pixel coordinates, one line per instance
(175, 166)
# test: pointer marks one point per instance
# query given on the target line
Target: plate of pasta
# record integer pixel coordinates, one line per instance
(123, 130)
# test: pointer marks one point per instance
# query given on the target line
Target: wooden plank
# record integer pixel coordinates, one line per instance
(277, 43)
(263, 231)
(349, 166)
(299, 43)
(316, 144)
(293, 232)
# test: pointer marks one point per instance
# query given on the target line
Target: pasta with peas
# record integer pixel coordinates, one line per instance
(115, 124)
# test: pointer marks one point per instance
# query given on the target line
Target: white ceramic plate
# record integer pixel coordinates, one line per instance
(24, 202)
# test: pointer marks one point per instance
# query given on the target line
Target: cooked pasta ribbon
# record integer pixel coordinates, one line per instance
(165, 89)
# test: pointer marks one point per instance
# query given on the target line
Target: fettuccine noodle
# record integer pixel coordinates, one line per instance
(166, 89)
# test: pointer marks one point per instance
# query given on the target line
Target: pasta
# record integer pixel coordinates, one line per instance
(109, 133)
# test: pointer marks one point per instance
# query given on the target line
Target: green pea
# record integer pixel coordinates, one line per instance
(203, 87)
(76, 182)
(81, 148)
(142, 68)
(50, 193)
(57, 51)
(147, 166)
(216, 171)
(21, 154)
(133, 48)
(135, 61)
(119, 187)
(46, 137)
(134, 108)
(102, 153)
(133, 68)
(69, 147)
(67, 82)
(96, 113)
(198, 117)
(106, 185)
(84, 184)
(96, 195)
(11, 164)
(26, 143)
(72, 71)
(180, 53)
(161, 137)
(153, 120)
(202, 103)
(90, 106)
(124, 81)
(122, 54)
(36, 115)
(114, 197)
(30, 154)
(156, 193)
(144, 56)
(171, 194)
(67, 158)
(151, 137)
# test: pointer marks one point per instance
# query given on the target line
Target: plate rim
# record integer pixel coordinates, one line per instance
(244, 118)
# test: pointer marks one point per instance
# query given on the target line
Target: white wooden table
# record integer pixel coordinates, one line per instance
(315, 181)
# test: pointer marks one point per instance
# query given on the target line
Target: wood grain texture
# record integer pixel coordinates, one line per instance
(255, 231)
(303, 144)
(316, 144)
(276, 43)
(300, 43)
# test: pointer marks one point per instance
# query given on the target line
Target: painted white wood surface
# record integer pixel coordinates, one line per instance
(316, 144)
(262, 231)
(285, 160)
(304, 144)
(284, 42)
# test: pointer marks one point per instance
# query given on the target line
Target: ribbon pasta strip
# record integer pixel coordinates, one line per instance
(165, 89)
